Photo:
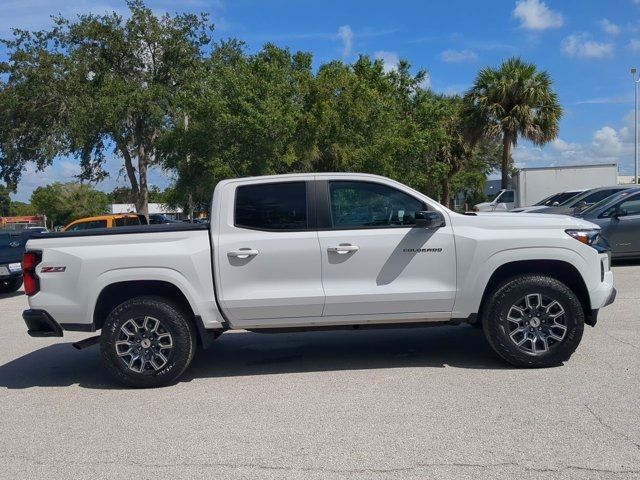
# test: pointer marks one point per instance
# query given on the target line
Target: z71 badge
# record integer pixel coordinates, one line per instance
(52, 269)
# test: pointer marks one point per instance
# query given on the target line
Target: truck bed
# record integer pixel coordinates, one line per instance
(168, 227)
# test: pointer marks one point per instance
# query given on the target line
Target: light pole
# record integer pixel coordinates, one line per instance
(635, 125)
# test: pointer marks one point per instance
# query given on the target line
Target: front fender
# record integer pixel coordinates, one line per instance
(476, 278)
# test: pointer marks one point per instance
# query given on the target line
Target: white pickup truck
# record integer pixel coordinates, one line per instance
(318, 251)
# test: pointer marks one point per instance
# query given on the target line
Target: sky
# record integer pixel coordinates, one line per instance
(587, 46)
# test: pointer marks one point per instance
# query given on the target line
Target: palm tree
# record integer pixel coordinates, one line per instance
(514, 100)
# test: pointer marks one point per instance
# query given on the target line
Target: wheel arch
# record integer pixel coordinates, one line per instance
(116, 293)
(561, 270)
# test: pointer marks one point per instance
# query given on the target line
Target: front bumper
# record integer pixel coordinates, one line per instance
(612, 297)
(41, 324)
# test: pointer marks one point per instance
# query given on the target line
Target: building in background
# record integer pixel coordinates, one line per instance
(154, 208)
(22, 222)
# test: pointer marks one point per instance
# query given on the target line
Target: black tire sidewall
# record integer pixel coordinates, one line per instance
(510, 292)
(12, 285)
(172, 318)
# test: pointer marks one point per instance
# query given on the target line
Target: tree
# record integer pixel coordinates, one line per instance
(241, 118)
(5, 202)
(125, 195)
(99, 84)
(514, 100)
(65, 202)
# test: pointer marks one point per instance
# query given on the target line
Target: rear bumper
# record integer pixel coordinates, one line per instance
(8, 270)
(41, 324)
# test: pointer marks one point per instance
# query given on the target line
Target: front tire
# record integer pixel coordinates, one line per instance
(147, 342)
(10, 285)
(533, 321)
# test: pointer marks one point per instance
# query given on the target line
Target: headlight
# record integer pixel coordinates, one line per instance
(587, 236)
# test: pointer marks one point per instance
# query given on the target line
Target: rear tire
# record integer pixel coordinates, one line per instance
(147, 342)
(10, 285)
(533, 321)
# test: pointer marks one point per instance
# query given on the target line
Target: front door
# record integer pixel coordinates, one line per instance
(268, 255)
(623, 230)
(374, 260)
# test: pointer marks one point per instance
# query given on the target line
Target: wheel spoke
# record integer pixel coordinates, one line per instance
(165, 340)
(519, 311)
(545, 343)
(538, 300)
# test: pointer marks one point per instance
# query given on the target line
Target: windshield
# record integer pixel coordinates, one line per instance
(558, 198)
(545, 200)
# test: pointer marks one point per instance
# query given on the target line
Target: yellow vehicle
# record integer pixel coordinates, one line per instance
(103, 221)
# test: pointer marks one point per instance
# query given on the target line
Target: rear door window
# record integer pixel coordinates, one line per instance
(126, 221)
(272, 206)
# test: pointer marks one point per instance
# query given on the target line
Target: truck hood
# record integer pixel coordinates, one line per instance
(509, 220)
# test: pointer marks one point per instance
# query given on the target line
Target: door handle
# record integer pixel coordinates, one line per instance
(343, 249)
(243, 253)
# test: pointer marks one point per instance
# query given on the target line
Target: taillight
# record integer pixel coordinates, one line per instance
(29, 262)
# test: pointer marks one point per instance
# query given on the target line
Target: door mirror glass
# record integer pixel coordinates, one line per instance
(429, 219)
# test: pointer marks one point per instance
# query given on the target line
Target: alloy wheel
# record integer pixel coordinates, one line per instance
(536, 323)
(144, 344)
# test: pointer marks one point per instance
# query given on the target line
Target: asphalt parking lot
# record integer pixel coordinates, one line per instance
(410, 403)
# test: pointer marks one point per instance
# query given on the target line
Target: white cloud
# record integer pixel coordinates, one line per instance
(389, 59)
(581, 45)
(458, 56)
(346, 35)
(609, 27)
(606, 142)
(634, 45)
(535, 15)
(606, 145)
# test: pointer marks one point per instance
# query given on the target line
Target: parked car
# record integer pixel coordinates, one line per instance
(551, 201)
(532, 184)
(12, 246)
(103, 221)
(318, 251)
(159, 219)
(581, 202)
(619, 220)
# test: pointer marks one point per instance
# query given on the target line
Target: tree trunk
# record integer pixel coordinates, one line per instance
(506, 154)
(445, 192)
(142, 203)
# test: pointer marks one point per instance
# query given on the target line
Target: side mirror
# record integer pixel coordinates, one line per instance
(429, 219)
(618, 212)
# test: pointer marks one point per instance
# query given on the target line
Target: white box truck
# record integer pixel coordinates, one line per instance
(534, 184)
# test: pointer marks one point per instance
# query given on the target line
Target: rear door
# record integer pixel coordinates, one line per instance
(268, 256)
(375, 261)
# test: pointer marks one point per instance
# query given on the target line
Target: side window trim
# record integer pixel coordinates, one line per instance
(311, 207)
(323, 208)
